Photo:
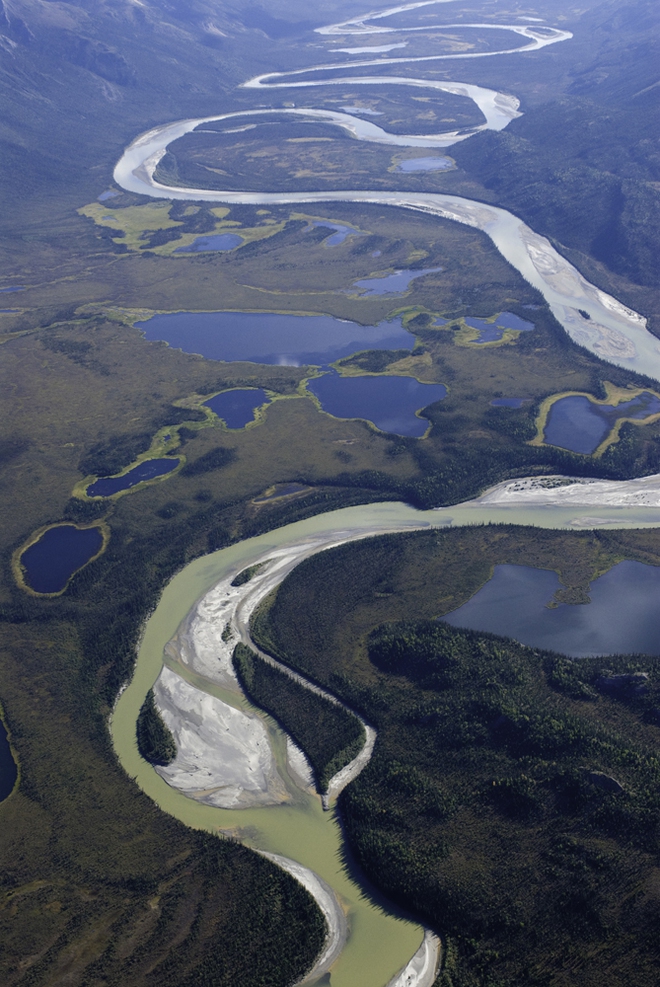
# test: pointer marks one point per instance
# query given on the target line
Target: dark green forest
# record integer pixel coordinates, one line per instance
(512, 799)
(330, 736)
(155, 742)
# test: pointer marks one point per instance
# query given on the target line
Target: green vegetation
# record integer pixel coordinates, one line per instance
(97, 885)
(330, 736)
(155, 742)
(247, 574)
(372, 361)
(512, 800)
(214, 459)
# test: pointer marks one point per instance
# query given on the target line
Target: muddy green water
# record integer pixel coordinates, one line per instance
(379, 944)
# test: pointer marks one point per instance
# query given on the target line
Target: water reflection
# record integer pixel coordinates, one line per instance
(621, 618)
(267, 337)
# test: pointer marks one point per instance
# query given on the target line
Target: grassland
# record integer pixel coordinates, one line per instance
(489, 807)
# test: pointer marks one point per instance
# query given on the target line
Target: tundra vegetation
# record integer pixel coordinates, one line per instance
(99, 886)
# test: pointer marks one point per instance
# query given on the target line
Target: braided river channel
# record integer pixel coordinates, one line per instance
(368, 944)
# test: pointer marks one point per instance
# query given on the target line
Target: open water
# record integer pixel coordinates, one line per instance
(622, 617)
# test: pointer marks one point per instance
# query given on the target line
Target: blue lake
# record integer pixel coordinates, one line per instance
(237, 407)
(621, 618)
(492, 332)
(389, 402)
(17, 287)
(264, 337)
(508, 402)
(8, 770)
(60, 552)
(105, 486)
(577, 424)
(390, 284)
(104, 196)
(425, 164)
(340, 234)
(217, 241)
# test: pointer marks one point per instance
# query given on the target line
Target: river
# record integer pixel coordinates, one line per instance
(379, 945)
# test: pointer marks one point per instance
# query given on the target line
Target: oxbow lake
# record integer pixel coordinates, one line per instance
(267, 337)
(60, 552)
(622, 617)
(580, 425)
(387, 401)
(106, 486)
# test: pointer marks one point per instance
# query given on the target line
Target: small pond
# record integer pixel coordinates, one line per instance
(110, 194)
(621, 618)
(492, 332)
(389, 402)
(16, 287)
(51, 561)
(266, 337)
(390, 284)
(340, 234)
(237, 407)
(579, 425)
(425, 164)
(217, 241)
(8, 769)
(106, 486)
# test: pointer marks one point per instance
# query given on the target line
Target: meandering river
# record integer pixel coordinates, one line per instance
(379, 946)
